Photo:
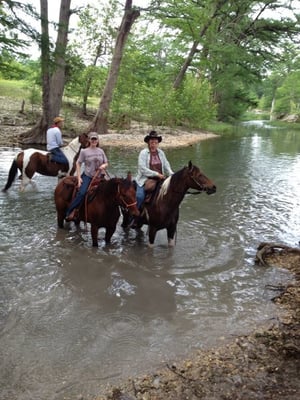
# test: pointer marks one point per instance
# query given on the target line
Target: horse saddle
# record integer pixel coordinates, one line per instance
(71, 181)
(151, 186)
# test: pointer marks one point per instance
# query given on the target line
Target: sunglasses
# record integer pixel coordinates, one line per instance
(93, 138)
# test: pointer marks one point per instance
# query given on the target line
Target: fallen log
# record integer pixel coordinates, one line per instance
(267, 252)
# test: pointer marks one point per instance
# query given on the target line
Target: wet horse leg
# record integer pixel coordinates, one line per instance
(28, 171)
(26, 181)
(171, 230)
(152, 234)
(109, 231)
(94, 233)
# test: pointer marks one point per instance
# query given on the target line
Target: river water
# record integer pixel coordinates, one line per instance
(74, 318)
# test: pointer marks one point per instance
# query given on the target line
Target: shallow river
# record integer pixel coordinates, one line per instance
(74, 318)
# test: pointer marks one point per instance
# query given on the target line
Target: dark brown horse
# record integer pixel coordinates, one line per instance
(30, 161)
(101, 208)
(162, 211)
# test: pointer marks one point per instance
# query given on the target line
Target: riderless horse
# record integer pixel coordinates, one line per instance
(31, 161)
(102, 203)
(161, 210)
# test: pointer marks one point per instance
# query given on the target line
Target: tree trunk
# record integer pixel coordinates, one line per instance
(179, 78)
(272, 113)
(51, 93)
(186, 64)
(100, 122)
(87, 87)
(58, 76)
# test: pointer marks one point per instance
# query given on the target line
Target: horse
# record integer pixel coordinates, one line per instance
(101, 207)
(31, 161)
(162, 210)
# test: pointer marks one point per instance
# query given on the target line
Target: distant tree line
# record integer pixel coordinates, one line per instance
(183, 63)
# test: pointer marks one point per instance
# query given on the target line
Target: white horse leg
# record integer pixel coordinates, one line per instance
(171, 242)
(25, 182)
(33, 184)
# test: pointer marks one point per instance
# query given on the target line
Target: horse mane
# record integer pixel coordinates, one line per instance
(164, 188)
(75, 140)
(173, 179)
(110, 185)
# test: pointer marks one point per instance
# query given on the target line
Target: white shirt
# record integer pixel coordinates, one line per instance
(54, 138)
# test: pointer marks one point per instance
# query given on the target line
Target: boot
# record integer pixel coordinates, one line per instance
(73, 216)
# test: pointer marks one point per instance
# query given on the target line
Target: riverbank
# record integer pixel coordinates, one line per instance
(262, 365)
(133, 137)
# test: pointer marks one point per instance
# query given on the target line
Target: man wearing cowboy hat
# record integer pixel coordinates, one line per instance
(55, 141)
(152, 163)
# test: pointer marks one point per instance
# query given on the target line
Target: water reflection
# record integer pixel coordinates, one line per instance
(74, 317)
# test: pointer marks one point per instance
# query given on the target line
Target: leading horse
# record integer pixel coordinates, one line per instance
(162, 212)
(31, 161)
(102, 204)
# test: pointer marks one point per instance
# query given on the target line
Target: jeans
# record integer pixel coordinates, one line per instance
(140, 195)
(58, 156)
(86, 180)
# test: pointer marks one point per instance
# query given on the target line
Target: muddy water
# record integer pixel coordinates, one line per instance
(74, 318)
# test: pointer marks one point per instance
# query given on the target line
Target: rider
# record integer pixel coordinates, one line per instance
(55, 141)
(95, 161)
(152, 163)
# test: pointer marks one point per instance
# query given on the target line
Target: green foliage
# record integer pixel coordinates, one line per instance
(235, 45)
(15, 19)
(196, 102)
(13, 88)
(288, 95)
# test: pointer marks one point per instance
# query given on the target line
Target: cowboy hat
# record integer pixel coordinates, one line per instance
(152, 135)
(58, 119)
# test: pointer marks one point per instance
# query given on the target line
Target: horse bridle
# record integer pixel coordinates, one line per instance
(197, 183)
(124, 201)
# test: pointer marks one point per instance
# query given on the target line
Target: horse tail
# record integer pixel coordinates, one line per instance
(11, 175)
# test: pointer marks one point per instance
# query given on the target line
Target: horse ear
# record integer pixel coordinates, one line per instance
(190, 165)
(129, 176)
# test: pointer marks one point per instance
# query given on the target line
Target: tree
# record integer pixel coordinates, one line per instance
(100, 122)
(53, 68)
(97, 43)
(12, 24)
(228, 36)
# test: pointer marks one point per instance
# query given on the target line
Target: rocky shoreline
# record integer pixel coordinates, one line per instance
(262, 365)
(133, 138)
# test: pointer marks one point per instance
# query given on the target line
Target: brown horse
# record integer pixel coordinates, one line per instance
(101, 208)
(162, 211)
(31, 161)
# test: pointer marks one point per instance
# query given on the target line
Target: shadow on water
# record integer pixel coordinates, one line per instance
(74, 318)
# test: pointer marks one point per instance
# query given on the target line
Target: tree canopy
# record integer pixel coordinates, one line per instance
(182, 62)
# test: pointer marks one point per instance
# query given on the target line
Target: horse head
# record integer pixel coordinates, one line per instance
(127, 194)
(83, 140)
(198, 181)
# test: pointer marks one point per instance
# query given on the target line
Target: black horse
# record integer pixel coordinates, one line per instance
(162, 212)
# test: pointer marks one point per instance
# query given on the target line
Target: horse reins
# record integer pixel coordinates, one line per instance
(124, 201)
(197, 183)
